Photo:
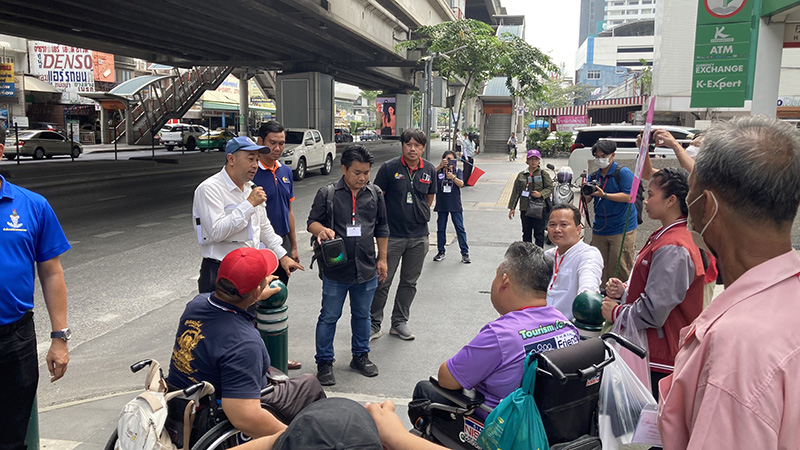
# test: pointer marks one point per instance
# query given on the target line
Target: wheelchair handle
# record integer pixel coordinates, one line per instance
(555, 371)
(267, 390)
(189, 391)
(137, 366)
(638, 351)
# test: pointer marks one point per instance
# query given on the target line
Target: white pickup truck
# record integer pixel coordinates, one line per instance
(182, 135)
(306, 150)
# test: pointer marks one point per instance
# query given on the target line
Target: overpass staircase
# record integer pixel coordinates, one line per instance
(171, 99)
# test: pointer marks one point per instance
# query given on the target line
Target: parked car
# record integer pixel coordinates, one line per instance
(306, 150)
(182, 135)
(446, 135)
(214, 139)
(41, 144)
(342, 135)
(369, 136)
(625, 137)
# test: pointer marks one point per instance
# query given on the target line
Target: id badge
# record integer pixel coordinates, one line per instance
(354, 231)
(526, 194)
(447, 189)
(409, 199)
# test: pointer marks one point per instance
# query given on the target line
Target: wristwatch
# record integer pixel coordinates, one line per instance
(64, 334)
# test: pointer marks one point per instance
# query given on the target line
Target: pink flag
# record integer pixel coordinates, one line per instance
(637, 174)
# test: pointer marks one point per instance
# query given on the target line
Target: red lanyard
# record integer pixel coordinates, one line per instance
(557, 263)
(354, 208)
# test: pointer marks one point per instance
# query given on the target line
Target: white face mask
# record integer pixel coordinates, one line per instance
(697, 238)
(602, 162)
(692, 151)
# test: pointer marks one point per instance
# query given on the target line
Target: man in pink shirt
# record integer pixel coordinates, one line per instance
(737, 375)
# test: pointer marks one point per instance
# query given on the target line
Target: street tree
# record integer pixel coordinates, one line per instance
(476, 55)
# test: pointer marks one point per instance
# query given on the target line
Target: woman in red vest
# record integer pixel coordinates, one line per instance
(665, 290)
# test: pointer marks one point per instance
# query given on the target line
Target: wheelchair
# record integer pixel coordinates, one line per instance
(208, 428)
(567, 392)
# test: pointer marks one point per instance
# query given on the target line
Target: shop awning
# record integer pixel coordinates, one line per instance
(33, 84)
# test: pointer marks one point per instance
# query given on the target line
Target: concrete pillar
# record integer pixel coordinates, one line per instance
(244, 105)
(104, 137)
(305, 100)
(129, 137)
(403, 113)
(768, 68)
(469, 113)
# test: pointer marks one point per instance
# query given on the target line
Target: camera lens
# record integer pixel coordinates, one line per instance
(588, 189)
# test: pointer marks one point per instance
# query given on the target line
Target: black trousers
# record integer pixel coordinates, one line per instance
(532, 225)
(19, 375)
(208, 275)
(468, 168)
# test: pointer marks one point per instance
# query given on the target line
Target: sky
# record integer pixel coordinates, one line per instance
(550, 25)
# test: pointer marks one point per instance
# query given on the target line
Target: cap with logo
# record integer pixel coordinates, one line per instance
(241, 143)
(534, 154)
(247, 267)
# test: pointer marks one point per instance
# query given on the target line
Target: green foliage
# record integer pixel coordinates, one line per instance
(547, 148)
(646, 78)
(536, 136)
(369, 95)
(356, 126)
(563, 141)
(476, 55)
(560, 95)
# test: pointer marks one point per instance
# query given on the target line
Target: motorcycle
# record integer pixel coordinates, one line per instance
(562, 185)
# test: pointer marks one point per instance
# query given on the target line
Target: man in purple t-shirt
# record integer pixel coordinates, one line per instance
(492, 363)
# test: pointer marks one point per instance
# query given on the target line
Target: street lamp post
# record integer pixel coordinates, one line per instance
(427, 104)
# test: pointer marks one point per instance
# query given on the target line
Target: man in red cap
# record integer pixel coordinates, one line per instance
(216, 342)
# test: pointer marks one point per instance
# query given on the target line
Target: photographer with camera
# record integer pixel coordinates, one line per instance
(610, 188)
(356, 216)
(448, 201)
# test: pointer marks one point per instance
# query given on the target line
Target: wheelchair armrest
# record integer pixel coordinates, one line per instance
(466, 398)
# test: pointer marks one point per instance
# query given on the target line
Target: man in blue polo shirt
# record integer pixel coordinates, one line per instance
(216, 342)
(610, 210)
(31, 240)
(276, 180)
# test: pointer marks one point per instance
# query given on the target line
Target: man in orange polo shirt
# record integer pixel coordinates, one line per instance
(276, 180)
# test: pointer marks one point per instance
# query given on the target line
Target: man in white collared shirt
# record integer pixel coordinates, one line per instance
(577, 267)
(229, 213)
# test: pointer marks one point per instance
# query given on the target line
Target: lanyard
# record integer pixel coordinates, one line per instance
(354, 208)
(411, 176)
(556, 264)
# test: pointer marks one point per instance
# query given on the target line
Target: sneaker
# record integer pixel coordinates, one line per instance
(375, 333)
(439, 256)
(401, 330)
(465, 258)
(362, 364)
(325, 373)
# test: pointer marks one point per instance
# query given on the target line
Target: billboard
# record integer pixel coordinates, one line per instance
(103, 67)
(387, 113)
(570, 123)
(7, 86)
(723, 53)
(68, 69)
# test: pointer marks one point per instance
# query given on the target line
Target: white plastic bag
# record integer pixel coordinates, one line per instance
(622, 399)
(625, 327)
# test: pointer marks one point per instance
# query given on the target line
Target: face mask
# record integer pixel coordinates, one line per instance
(697, 238)
(602, 162)
(692, 151)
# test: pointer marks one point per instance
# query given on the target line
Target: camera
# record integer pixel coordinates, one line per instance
(451, 165)
(589, 188)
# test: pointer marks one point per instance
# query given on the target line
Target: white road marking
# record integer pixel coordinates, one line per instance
(179, 216)
(116, 197)
(74, 242)
(109, 234)
(148, 225)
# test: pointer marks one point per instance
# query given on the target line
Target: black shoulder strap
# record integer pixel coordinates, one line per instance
(330, 191)
(616, 175)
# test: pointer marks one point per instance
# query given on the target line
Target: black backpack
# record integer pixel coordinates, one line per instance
(639, 193)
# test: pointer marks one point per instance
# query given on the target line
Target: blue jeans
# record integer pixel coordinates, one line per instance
(441, 227)
(333, 295)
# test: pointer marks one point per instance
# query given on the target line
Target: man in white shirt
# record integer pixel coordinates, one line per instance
(577, 266)
(468, 150)
(229, 213)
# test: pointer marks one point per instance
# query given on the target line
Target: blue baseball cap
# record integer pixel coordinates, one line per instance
(241, 143)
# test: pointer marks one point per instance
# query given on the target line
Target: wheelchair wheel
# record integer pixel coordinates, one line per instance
(223, 435)
(112, 441)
